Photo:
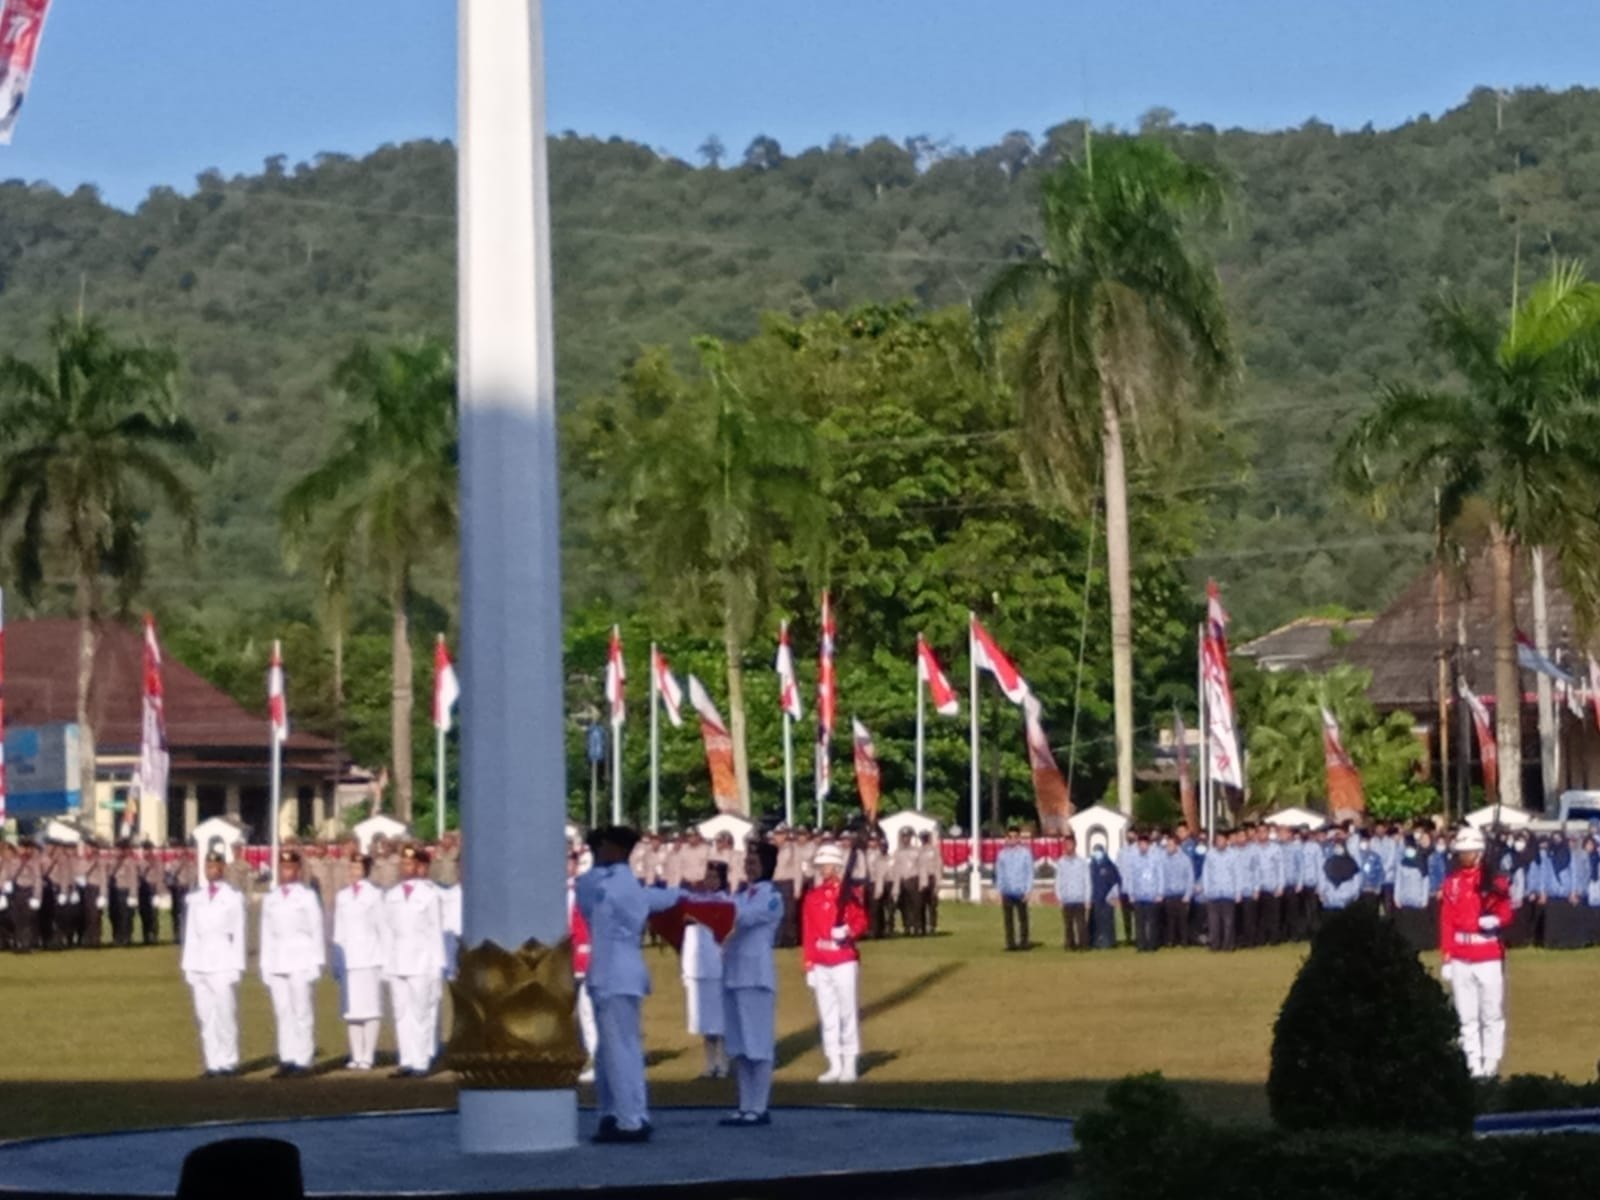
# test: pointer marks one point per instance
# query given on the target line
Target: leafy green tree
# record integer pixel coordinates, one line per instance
(1129, 333)
(91, 439)
(1517, 431)
(385, 498)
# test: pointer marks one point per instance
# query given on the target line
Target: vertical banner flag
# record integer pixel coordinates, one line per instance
(446, 686)
(1345, 795)
(719, 749)
(669, 691)
(867, 776)
(827, 697)
(616, 677)
(1488, 751)
(21, 26)
(277, 702)
(992, 659)
(1222, 740)
(945, 701)
(788, 685)
(1187, 799)
(153, 756)
(1050, 793)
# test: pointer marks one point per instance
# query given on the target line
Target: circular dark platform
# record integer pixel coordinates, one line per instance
(862, 1150)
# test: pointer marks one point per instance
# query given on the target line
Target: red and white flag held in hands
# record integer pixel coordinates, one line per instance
(669, 691)
(992, 659)
(945, 701)
(277, 700)
(446, 686)
(788, 685)
(616, 677)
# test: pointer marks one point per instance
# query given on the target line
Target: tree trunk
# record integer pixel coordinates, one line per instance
(401, 701)
(87, 636)
(741, 760)
(1118, 573)
(1507, 686)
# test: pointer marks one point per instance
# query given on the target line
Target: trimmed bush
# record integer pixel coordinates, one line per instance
(1367, 1039)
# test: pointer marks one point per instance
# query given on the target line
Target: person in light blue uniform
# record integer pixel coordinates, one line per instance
(1247, 873)
(1561, 885)
(750, 986)
(1412, 916)
(1389, 846)
(1073, 892)
(1177, 890)
(1219, 886)
(1197, 851)
(1311, 853)
(1371, 863)
(1340, 886)
(1143, 881)
(1274, 886)
(1013, 879)
(1105, 883)
(1591, 891)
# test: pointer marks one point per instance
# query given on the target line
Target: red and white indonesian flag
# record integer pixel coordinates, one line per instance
(446, 687)
(1345, 793)
(277, 700)
(1488, 751)
(616, 678)
(153, 757)
(788, 685)
(945, 701)
(1529, 659)
(719, 748)
(827, 699)
(992, 659)
(21, 26)
(667, 688)
(1050, 792)
(868, 778)
(1222, 739)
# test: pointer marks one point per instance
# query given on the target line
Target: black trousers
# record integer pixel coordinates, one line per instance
(1175, 920)
(178, 899)
(1127, 920)
(1269, 931)
(788, 928)
(25, 925)
(1016, 914)
(1074, 927)
(121, 918)
(92, 919)
(65, 923)
(911, 915)
(930, 908)
(1102, 925)
(1220, 929)
(149, 924)
(1248, 922)
(1147, 925)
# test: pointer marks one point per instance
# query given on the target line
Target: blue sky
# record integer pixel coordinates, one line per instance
(132, 93)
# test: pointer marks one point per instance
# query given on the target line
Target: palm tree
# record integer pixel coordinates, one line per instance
(385, 496)
(90, 439)
(1128, 334)
(1518, 434)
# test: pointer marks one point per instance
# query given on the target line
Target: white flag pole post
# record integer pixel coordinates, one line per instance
(920, 690)
(1206, 815)
(975, 884)
(655, 744)
(788, 769)
(439, 770)
(616, 771)
(275, 784)
(513, 703)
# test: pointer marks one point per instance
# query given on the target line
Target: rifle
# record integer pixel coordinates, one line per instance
(848, 883)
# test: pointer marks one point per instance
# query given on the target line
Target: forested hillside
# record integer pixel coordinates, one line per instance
(261, 282)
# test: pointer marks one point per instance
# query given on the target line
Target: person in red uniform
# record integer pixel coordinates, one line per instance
(830, 923)
(1473, 912)
(578, 929)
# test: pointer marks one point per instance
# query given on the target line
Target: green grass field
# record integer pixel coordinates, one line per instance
(105, 1039)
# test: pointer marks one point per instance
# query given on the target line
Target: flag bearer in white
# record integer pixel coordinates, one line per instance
(750, 986)
(413, 962)
(293, 953)
(213, 964)
(702, 979)
(615, 907)
(358, 914)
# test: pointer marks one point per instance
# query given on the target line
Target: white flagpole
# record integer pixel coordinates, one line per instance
(822, 797)
(616, 773)
(275, 786)
(788, 769)
(1206, 814)
(655, 744)
(975, 884)
(920, 689)
(438, 756)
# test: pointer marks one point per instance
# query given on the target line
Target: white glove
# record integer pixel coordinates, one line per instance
(4, 903)
(102, 902)
(6, 887)
(1489, 923)
(840, 933)
(34, 904)
(163, 902)
(811, 980)
(1447, 971)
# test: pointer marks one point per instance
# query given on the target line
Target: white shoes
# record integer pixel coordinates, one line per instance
(839, 1071)
(586, 1075)
(848, 1075)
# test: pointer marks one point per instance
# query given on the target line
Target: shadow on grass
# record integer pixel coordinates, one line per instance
(795, 1044)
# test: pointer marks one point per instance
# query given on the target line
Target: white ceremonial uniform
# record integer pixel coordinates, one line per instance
(750, 992)
(702, 980)
(358, 920)
(213, 964)
(616, 907)
(413, 965)
(293, 953)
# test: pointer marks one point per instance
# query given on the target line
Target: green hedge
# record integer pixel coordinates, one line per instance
(1531, 1093)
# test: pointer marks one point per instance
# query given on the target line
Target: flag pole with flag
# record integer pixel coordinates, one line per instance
(868, 778)
(931, 676)
(277, 734)
(1488, 751)
(984, 653)
(1051, 795)
(616, 701)
(826, 699)
(719, 749)
(153, 757)
(664, 690)
(1346, 797)
(789, 702)
(21, 27)
(1222, 739)
(446, 691)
